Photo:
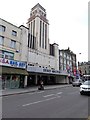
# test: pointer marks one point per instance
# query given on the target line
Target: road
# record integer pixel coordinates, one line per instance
(56, 103)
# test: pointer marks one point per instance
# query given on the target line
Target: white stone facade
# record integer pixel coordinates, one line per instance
(18, 47)
(40, 55)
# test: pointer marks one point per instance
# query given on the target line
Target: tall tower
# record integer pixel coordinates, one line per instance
(38, 29)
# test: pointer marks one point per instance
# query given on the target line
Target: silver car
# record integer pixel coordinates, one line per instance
(77, 82)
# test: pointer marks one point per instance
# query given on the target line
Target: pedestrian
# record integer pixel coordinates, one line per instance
(41, 86)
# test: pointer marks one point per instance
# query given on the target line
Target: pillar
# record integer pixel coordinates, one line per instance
(25, 81)
(36, 79)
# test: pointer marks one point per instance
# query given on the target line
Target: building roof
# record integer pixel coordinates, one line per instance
(23, 26)
(10, 23)
(68, 51)
(38, 5)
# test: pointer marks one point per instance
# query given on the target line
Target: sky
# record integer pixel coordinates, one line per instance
(68, 21)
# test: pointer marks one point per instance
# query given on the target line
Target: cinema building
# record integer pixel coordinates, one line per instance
(43, 57)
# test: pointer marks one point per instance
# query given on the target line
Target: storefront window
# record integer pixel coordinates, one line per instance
(15, 81)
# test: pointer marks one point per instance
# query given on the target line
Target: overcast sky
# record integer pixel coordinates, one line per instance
(68, 21)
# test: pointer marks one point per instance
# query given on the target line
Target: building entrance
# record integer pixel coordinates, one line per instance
(31, 80)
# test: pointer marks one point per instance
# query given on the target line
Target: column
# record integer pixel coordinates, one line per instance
(25, 81)
(36, 80)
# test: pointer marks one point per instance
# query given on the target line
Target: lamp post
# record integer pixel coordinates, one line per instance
(79, 59)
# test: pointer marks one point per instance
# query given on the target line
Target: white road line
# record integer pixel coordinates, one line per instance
(52, 94)
(49, 95)
(40, 101)
(35, 93)
(40, 92)
(59, 93)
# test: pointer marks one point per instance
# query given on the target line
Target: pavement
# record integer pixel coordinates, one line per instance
(7, 92)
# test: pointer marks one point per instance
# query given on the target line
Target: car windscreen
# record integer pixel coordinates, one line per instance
(87, 83)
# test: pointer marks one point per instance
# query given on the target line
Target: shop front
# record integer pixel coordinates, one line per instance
(13, 74)
(48, 76)
(13, 77)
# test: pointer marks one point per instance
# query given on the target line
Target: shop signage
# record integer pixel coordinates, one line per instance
(51, 71)
(42, 70)
(12, 63)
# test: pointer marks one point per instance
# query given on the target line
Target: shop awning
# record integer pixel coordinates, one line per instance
(11, 70)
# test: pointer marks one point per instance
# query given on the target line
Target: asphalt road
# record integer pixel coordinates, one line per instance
(57, 103)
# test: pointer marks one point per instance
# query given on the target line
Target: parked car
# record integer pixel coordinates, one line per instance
(85, 87)
(77, 82)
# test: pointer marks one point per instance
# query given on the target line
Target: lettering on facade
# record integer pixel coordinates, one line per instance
(46, 70)
(51, 71)
(12, 63)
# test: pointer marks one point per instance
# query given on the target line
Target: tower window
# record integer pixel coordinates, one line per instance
(43, 37)
(40, 32)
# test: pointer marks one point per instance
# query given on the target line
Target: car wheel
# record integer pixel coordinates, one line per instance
(81, 93)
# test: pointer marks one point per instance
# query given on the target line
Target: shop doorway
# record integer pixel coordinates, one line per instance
(44, 79)
(51, 80)
(21, 81)
(31, 80)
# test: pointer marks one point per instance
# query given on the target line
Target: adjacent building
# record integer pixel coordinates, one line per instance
(12, 56)
(67, 62)
(84, 67)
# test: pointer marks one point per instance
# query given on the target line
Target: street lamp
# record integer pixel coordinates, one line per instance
(79, 60)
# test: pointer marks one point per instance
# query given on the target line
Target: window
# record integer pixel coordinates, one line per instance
(14, 33)
(13, 44)
(2, 28)
(60, 53)
(1, 54)
(44, 15)
(1, 40)
(68, 57)
(6, 54)
(65, 55)
(35, 11)
(31, 37)
(40, 33)
(65, 61)
(45, 36)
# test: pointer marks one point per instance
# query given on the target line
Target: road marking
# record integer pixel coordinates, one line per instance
(59, 93)
(40, 101)
(40, 92)
(35, 93)
(49, 95)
